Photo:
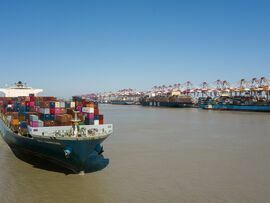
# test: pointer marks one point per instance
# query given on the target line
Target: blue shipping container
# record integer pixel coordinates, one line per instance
(52, 105)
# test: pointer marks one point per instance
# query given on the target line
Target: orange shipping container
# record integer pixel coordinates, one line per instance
(49, 123)
(12, 114)
(63, 118)
(69, 123)
(45, 104)
(14, 122)
(63, 111)
(90, 104)
(21, 117)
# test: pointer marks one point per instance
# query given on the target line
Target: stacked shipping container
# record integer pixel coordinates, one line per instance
(89, 110)
(48, 111)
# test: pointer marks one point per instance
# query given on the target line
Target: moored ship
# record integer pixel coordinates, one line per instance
(236, 103)
(167, 101)
(122, 102)
(63, 132)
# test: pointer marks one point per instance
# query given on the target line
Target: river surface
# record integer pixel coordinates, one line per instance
(157, 155)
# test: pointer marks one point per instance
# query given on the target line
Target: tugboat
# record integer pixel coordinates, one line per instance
(57, 138)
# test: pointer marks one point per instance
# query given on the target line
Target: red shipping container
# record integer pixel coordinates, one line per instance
(52, 111)
(96, 111)
(101, 120)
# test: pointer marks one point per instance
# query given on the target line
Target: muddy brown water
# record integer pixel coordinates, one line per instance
(157, 155)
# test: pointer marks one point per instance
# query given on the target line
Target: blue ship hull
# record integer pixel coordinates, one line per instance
(54, 149)
(258, 108)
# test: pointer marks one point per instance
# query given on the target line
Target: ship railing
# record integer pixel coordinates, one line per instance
(4, 119)
(83, 134)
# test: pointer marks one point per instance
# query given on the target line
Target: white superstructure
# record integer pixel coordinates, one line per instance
(19, 89)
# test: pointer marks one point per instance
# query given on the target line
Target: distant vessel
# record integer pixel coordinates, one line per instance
(20, 89)
(65, 133)
(167, 101)
(123, 102)
(237, 103)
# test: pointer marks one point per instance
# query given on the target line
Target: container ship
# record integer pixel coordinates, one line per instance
(236, 103)
(167, 101)
(63, 132)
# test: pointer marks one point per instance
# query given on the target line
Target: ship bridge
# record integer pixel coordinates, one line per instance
(20, 89)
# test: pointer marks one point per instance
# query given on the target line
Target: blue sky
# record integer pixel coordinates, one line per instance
(71, 47)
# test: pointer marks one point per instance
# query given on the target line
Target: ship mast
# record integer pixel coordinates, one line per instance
(75, 124)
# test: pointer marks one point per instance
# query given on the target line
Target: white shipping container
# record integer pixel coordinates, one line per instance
(96, 122)
(87, 110)
(33, 118)
(9, 118)
(40, 123)
(91, 110)
(57, 104)
(62, 104)
(72, 104)
(41, 110)
(46, 111)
